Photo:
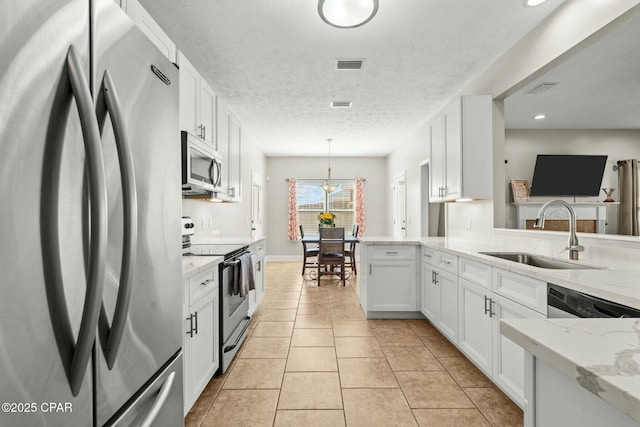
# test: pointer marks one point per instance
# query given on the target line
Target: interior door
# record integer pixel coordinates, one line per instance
(44, 205)
(146, 85)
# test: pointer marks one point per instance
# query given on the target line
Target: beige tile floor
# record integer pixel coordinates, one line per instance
(313, 359)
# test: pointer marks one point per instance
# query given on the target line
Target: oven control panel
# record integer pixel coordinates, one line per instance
(188, 227)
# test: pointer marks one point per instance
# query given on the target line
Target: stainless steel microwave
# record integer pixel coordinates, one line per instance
(201, 166)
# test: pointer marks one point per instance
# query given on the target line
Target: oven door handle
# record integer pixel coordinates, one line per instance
(228, 264)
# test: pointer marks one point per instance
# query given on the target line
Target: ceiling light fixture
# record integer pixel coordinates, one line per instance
(327, 186)
(539, 117)
(532, 3)
(347, 13)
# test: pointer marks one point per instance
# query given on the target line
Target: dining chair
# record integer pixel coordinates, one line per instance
(309, 253)
(331, 253)
(350, 251)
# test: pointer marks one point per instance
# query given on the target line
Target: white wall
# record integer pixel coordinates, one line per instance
(281, 168)
(407, 157)
(231, 219)
(522, 146)
(575, 24)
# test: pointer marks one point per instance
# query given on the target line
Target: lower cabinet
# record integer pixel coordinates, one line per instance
(509, 357)
(392, 286)
(476, 324)
(257, 258)
(391, 278)
(201, 347)
(479, 338)
(439, 296)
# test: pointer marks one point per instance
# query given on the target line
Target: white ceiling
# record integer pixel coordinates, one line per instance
(598, 88)
(273, 61)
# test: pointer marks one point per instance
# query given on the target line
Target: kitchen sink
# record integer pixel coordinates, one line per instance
(539, 261)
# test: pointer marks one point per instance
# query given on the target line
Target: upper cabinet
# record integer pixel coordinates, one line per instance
(461, 152)
(234, 160)
(197, 102)
(149, 27)
(228, 145)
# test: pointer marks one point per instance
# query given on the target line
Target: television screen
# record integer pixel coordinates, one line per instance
(567, 175)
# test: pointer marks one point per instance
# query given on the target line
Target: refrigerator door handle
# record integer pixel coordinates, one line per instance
(112, 337)
(158, 403)
(98, 200)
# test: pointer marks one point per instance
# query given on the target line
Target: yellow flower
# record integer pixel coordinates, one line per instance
(326, 218)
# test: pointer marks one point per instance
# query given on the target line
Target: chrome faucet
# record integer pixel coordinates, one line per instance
(573, 246)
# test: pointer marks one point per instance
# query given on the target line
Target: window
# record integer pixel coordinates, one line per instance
(311, 202)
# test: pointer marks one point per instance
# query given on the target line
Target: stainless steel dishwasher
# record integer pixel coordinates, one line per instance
(566, 303)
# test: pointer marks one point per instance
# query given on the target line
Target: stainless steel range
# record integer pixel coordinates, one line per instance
(234, 308)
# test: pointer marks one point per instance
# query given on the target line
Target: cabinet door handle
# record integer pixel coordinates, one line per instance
(190, 331)
(196, 322)
(491, 312)
(370, 272)
(206, 282)
(487, 307)
(435, 275)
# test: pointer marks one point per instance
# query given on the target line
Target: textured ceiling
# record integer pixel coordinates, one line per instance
(273, 61)
(598, 88)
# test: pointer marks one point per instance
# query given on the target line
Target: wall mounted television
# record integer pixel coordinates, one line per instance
(567, 175)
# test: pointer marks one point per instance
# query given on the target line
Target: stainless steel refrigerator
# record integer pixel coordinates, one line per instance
(90, 250)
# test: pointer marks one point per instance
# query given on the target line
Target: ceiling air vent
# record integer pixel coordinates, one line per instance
(340, 104)
(349, 64)
(541, 88)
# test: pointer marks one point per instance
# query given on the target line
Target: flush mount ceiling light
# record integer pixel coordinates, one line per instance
(532, 3)
(539, 117)
(347, 13)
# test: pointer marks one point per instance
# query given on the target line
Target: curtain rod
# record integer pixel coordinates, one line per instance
(322, 179)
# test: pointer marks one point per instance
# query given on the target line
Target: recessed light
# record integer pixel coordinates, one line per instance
(533, 3)
(539, 117)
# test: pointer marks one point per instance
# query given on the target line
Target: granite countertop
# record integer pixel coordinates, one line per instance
(601, 355)
(195, 264)
(620, 284)
(192, 265)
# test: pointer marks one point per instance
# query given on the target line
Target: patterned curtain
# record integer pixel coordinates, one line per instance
(360, 205)
(293, 209)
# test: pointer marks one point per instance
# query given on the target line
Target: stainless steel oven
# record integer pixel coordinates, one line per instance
(201, 166)
(234, 308)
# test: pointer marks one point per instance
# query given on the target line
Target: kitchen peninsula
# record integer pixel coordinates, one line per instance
(495, 312)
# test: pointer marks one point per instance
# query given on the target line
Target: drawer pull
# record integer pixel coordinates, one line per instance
(392, 252)
(427, 256)
(206, 282)
(444, 261)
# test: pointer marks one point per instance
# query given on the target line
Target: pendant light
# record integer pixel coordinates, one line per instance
(347, 13)
(327, 186)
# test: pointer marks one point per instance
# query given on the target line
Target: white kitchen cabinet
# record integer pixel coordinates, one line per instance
(448, 323)
(257, 258)
(201, 340)
(439, 299)
(461, 150)
(430, 295)
(235, 171)
(223, 134)
(475, 324)
(197, 102)
(508, 357)
(392, 278)
(150, 28)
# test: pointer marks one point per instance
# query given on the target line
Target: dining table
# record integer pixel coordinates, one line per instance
(314, 238)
